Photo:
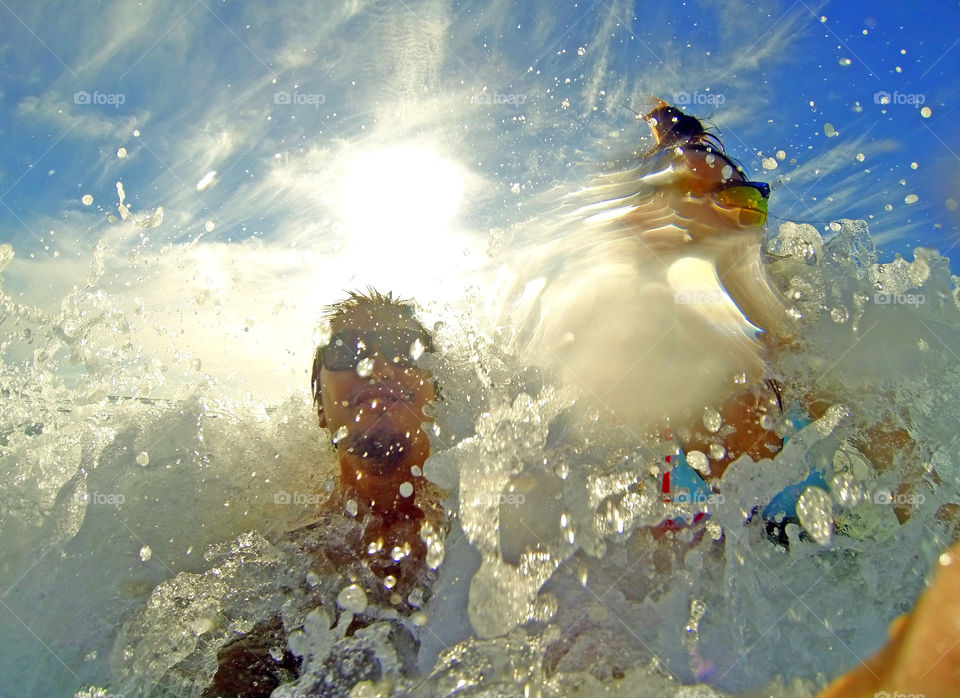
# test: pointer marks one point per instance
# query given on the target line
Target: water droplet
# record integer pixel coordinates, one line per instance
(815, 511)
(389, 581)
(209, 226)
(145, 553)
(698, 461)
(86, 200)
(313, 579)
(340, 434)
(926, 112)
(726, 172)
(323, 334)
(829, 131)
(143, 458)
(781, 155)
(839, 315)
(846, 490)
(121, 153)
(352, 598)
(717, 451)
(712, 421)
(351, 507)
(911, 199)
(417, 349)
(769, 163)
(406, 489)
(206, 180)
(365, 367)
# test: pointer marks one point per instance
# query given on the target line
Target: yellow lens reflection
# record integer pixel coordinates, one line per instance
(748, 202)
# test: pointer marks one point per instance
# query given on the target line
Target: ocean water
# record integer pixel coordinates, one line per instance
(186, 186)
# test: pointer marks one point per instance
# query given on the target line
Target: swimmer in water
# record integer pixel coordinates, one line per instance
(370, 393)
(650, 296)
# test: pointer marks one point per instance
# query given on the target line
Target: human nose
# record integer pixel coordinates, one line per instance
(384, 368)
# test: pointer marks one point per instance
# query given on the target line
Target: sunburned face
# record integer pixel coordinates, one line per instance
(373, 397)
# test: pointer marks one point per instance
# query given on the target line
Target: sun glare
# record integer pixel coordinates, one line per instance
(404, 190)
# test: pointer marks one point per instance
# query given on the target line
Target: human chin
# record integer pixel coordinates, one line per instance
(380, 446)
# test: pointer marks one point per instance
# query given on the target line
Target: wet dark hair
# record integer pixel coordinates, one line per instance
(672, 127)
(340, 315)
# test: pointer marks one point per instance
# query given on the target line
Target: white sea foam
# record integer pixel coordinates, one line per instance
(549, 576)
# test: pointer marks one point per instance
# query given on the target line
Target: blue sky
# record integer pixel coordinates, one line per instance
(359, 142)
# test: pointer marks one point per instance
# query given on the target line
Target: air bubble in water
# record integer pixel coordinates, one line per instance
(145, 553)
(365, 367)
(911, 199)
(352, 598)
(143, 458)
(121, 153)
(351, 507)
(717, 451)
(86, 200)
(406, 489)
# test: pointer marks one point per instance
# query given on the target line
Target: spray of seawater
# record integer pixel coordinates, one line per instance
(550, 580)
